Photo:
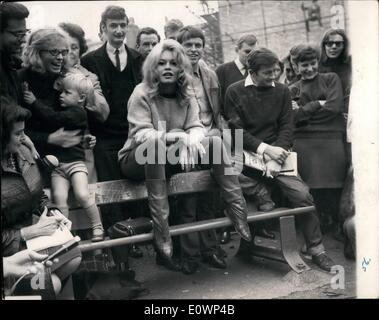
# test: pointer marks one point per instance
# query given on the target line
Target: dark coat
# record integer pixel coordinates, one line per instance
(98, 62)
(227, 73)
(21, 197)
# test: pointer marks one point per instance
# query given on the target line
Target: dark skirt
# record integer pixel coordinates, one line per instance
(321, 160)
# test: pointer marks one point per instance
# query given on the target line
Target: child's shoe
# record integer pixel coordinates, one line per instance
(97, 234)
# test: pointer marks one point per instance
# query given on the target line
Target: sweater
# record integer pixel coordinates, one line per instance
(44, 89)
(343, 70)
(69, 118)
(311, 116)
(144, 114)
(263, 113)
(116, 86)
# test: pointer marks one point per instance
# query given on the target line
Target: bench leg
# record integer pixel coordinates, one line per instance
(289, 244)
(287, 251)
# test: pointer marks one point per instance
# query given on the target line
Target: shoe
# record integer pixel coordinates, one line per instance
(267, 206)
(215, 261)
(169, 263)
(97, 234)
(189, 267)
(221, 252)
(323, 261)
(135, 251)
(225, 237)
(264, 233)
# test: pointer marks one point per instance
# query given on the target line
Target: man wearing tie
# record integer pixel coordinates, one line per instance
(119, 70)
(233, 71)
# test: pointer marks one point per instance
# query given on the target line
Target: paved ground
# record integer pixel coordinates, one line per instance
(257, 279)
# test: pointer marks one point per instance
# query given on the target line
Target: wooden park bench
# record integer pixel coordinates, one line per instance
(119, 191)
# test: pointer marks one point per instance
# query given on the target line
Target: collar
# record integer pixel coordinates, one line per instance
(196, 71)
(111, 50)
(250, 82)
(240, 66)
(23, 156)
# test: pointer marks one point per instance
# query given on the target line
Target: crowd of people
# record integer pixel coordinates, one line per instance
(150, 112)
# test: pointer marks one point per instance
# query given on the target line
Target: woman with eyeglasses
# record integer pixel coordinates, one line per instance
(335, 58)
(44, 65)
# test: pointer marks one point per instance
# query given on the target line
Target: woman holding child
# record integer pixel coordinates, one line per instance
(59, 100)
(166, 137)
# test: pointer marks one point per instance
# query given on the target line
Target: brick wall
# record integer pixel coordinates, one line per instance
(284, 21)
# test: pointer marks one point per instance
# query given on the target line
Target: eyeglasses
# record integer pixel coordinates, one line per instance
(20, 35)
(56, 52)
(337, 43)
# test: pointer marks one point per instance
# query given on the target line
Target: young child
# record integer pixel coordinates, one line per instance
(77, 91)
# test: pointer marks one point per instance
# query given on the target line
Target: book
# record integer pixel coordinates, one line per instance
(61, 236)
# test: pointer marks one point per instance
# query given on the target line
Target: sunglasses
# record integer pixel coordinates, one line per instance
(20, 35)
(56, 52)
(337, 43)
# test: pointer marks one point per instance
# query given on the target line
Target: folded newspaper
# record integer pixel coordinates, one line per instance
(256, 161)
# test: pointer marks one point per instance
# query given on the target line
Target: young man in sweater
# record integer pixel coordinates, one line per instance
(262, 109)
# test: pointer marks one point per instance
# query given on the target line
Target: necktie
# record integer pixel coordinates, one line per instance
(118, 64)
(245, 73)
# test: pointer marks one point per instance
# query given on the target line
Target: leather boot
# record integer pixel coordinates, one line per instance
(236, 209)
(159, 211)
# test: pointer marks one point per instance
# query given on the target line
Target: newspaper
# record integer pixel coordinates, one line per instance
(256, 161)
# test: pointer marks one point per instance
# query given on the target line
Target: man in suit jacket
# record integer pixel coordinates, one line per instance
(233, 71)
(119, 71)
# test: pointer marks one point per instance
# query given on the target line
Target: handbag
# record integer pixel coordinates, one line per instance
(127, 228)
(131, 227)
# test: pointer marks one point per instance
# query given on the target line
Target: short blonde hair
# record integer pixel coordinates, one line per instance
(81, 83)
(150, 66)
(41, 39)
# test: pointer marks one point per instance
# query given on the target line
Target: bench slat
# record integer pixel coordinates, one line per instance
(126, 190)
